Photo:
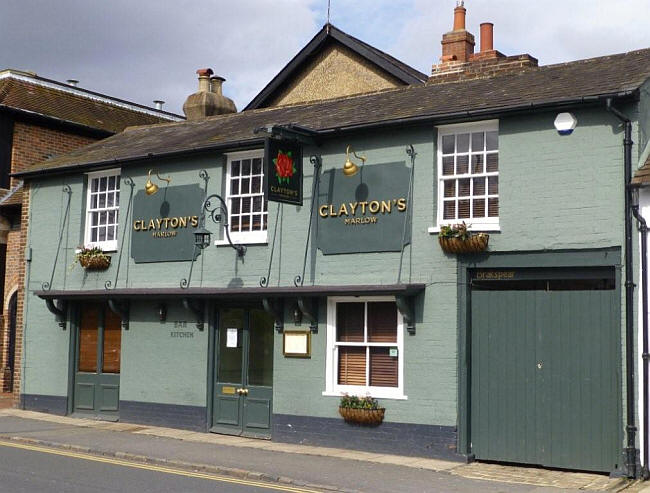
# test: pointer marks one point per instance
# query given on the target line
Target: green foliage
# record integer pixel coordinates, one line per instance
(84, 254)
(455, 231)
(354, 402)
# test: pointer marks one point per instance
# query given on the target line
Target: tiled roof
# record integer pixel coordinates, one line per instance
(13, 197)
(642, 175)
(575, 82)
(26, 92)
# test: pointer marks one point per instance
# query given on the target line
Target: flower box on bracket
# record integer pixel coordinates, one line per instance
(361, 410)
(93, 258)
(457, 239)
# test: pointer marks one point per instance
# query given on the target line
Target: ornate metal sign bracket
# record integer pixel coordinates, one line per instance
(121, 309)
(264, 280)
(410, 151)
(317, 162)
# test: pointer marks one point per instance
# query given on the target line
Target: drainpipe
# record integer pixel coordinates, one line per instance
(630, 428)
(643, 229)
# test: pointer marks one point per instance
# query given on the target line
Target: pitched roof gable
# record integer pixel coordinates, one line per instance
(329, 33)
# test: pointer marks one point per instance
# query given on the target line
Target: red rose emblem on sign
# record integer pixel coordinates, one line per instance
(284, 168)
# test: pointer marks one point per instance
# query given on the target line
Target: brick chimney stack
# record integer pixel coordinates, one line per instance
(209, 99)
(459, 62)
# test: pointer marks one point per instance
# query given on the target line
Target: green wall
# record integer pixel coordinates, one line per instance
(555, 193)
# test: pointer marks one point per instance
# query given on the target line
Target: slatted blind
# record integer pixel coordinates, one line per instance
(112, 343)
(350, 322)
(383, 368)
(382, 322)
(352, 365)
(88, 338)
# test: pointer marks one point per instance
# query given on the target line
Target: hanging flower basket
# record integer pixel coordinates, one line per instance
(361, 410)
(93, 258)
(369, 417)
(457, 239)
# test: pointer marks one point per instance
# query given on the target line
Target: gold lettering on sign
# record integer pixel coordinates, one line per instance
(494, 275)
(159, 225)
(364, 208)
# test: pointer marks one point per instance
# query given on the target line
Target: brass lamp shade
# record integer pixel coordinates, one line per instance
(150, 187)
(350, 168)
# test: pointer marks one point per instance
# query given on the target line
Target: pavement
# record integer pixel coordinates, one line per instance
(321, 468)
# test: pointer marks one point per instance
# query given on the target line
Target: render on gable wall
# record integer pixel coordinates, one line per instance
(336, 72)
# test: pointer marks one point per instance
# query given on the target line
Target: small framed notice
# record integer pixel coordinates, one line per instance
(231, 337)
(297, 344)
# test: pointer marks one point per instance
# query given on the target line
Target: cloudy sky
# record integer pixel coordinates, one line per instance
(141, 50)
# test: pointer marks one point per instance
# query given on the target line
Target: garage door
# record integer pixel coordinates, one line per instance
(545, 367)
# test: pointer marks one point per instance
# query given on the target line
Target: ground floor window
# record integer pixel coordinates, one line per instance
(364, 347)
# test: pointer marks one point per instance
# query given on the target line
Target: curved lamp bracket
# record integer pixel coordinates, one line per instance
(309, 309)
(59, 309)
(275, 308)
(121, 309)
(197, 308)
(405, 307)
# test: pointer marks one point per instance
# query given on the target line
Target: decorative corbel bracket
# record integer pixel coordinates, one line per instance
(198, 309)
(275, 308)
(405, 307)
(309, 309)
(121, 309)
(59, 309)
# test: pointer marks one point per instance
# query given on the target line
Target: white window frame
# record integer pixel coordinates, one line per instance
(332, 388)
(246, 237)
(480, 224)
(109, 245)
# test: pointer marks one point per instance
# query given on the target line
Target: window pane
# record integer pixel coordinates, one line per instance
(462, 143)
(352, 366)
(492, 162)
(256, 185)
(257, 166)
(112, 342)
(110, 200)
(117, 198)
(234, 187)
(245, 185)
(450, 188)
(246, 167)
(110, 234)
(477, 163)
(245, 222)
(102, 218)
(246, 204)
(260, 349)
(234, 223)
(88, 338)
(93, 234)
(102, 233)
(102, 184)
(93, 201)
(230, 361)
(382, 322)
(448, 144)
(383, 367)
(111, 183)
(492, 141)
(94, 184)
(462, 164)
(235, 168)
(449, 211)
(102, 200)
(448, 165)
(477, 141)
(235, 206)
(493, 185)
(257, 222)
(463, 187)
(111, 217)
(349, 322)
(257, 204)
(479, 208)
(463, 209)
(479, 186)
(493, 207)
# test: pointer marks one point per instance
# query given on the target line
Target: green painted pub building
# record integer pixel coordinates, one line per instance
(325, 272)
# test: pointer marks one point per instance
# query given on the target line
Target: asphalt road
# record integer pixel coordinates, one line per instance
(34, 469)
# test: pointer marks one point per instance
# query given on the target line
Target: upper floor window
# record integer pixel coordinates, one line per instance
(102, 209)
(468, 175)
(247, 206)
(365, 347)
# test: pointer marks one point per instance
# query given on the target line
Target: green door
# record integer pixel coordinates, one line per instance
(97, 363)
(243, 388)
(545, 372)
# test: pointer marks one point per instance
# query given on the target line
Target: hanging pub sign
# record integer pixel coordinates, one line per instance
(366, 212)
(283, 174)
(163, 224)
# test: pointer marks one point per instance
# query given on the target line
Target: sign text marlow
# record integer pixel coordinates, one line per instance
(163, 224)
(367, 212)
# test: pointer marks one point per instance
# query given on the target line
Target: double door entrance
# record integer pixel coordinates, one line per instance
(243, 373)
(97, 362)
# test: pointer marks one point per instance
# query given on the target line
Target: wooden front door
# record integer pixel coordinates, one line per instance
(243, 388)
(97, 366)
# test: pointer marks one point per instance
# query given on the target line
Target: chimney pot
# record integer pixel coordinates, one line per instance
(204, 72)
(215, 84)
(72, 82)
(159, 104)
(487, 37)
(459, 16)
(208, 100)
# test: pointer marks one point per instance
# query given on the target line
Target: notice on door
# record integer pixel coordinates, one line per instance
(231, 337)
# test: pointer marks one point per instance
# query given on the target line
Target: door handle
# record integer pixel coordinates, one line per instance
(244, 391)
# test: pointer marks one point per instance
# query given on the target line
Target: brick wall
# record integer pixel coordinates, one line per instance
(31, 144)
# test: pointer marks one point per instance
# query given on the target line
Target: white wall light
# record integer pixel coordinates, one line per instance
(565, 123)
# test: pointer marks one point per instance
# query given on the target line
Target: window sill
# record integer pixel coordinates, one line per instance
(220, 243)
(376, 393)
(475, 227)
